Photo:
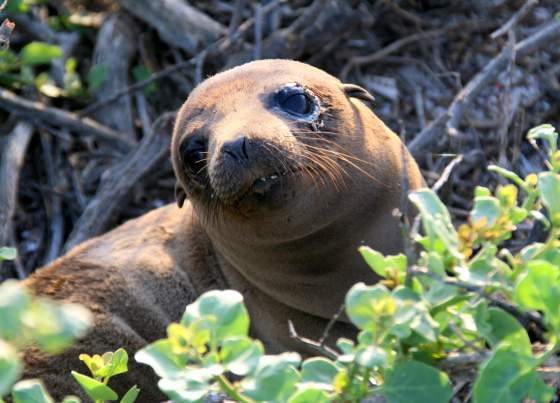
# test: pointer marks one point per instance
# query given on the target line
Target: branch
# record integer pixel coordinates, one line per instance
(429, 138)
(177, 22)
(117, 183)
(36, 111)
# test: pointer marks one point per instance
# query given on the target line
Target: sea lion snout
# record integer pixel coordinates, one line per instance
(243, 166)
(236, 149)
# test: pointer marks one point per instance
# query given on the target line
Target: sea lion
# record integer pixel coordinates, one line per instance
(283, 172)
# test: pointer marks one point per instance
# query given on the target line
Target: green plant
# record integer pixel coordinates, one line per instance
(463, 295)
(52, 326)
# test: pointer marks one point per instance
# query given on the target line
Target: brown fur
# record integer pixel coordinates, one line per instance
(290, 249)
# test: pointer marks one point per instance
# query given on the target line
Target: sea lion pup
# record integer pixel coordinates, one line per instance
(283, 171)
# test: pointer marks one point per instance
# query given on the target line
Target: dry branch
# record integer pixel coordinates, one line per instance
(215, 49)
(512, 22)
(430, 139)
(12, 156)
(178, 23)
(114, 49)
(321, 23)
(37, 111)
(407, 40)
(117, 183)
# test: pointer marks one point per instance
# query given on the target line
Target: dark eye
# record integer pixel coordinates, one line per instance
(293, 100)
(193, 154)
(297, 103)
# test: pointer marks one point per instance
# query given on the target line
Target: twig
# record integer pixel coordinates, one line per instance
(52, 204)
(116, 184)
(429, 138)
(321, 23)
(177, 22)
(54, 116)
(454, 359)
(514, 20)
(236, 17)
(444, 177)
(314, 345)
(12, 156)
(115, 47)
(330, 325)
(221, 46)
(398, 44)
(524, 317)
(258, 32)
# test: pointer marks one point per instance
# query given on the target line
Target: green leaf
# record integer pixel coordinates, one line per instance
(226, 311)
(372, 357)
(14, 302)
(240, 354)
(58, 325)
(345, 345)
(94, 389)
(7, 253)
(486, 208)
(31, 391)
(380, 263)
(131, 395)
(141, 73)
(191, 386)
(436, 222)
(10, 367)
(544, 132)
(71, 399)
(539, 288)
(274, 379)
(96, 76)
(159, 355)
(503, 378)
(116, 363)
(310, 394)
(415, 382)
(504, 327)
(367, 306)
(318, 370)
(37, 53)
(549, 188)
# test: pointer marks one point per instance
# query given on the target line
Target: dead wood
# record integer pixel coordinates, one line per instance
(178, 23)
(12, 156)
(114, 50)
(118, 182)
(37, 111)
(432, 138)
(305, 34)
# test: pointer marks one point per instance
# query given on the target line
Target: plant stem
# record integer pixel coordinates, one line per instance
(230, 390)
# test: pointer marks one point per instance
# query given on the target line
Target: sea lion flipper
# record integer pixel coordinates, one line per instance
(355, 91)
(180, 194)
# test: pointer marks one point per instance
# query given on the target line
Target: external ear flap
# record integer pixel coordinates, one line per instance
(180, 195)
(355, 91)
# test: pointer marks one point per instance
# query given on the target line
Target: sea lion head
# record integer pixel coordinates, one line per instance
(271, 148)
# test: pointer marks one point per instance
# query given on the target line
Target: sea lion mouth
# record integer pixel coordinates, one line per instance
(264, 184)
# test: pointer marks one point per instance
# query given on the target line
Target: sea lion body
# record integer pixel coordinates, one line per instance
(286, 174)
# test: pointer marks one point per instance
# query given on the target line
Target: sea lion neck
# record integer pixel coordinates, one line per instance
(300, 273)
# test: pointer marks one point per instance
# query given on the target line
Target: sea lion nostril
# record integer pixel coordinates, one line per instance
(236, 148)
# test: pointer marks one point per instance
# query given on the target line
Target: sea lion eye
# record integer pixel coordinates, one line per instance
(294, 100)
(193, 153)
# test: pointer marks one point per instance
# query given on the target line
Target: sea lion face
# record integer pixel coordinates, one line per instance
(265, 148)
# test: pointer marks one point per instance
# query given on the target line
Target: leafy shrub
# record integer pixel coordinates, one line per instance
(52, 326)
(464, 293)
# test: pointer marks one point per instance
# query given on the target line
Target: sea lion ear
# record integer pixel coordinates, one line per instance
(355, 91)
(180, 194)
